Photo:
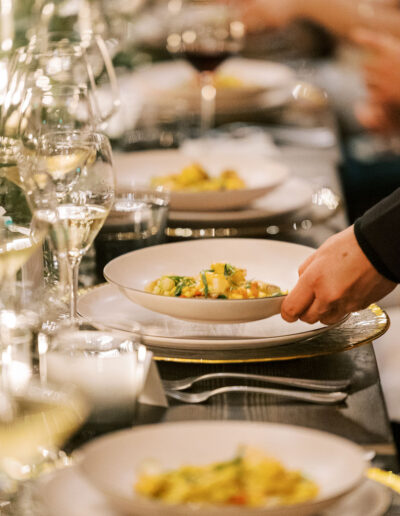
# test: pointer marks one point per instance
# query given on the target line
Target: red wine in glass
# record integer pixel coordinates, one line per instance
(206, 60)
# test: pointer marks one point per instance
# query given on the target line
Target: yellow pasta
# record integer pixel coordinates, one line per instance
(194, 178)
(220, 281)
(251, 479)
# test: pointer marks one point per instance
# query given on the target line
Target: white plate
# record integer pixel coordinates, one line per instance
(57, 495)
(107, 306)
(270, 261)
(112, 462)
(265, 84)
(260, 174)
(69, 493)
(288, 198)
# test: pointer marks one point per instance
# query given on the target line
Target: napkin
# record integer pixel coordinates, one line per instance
(242, 141)
(153, 391)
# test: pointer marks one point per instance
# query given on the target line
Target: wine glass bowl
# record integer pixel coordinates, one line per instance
(34, 422)
(55, 108)
(69, 183)
(206, 33)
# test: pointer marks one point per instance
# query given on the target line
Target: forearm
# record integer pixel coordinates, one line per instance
(378, 234)
(341, 16)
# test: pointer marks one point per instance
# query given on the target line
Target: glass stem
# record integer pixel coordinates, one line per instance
(8, 291)
(73, 273)
(207, 107)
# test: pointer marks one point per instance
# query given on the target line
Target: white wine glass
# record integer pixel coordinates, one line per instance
(35, 421)
(69, 182)
(45, 62)
(57, 107)
(18, 242)
(96, 53)
(206, 33)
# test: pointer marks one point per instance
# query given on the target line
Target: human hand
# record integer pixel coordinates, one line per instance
(381, 66)
(335, 280)
(378, 117)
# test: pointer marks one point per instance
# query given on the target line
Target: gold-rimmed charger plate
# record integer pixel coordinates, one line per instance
(359, 328)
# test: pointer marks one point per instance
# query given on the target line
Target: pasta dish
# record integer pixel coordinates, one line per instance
(250, 479)
(194, 178)
(220, 281)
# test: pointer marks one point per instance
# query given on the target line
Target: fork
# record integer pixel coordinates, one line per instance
(328, 398)
(318, 385)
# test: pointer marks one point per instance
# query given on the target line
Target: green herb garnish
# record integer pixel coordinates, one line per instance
(180, 282)
(229, 270)
(222, 296)
(204, 280)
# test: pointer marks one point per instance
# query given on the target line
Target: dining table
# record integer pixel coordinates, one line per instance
(362, 417)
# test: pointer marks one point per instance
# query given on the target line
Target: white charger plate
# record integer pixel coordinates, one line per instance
(291, 196)
(106, 306)
(112, 462)
(69, 493)
(261, 175)
(265, 260)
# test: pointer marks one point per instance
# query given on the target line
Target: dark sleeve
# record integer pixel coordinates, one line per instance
(378, 234)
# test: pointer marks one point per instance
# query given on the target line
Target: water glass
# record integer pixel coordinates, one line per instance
(108, 367)
(138, 219)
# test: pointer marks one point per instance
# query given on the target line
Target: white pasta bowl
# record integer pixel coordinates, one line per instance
(265, 260)
(260, 175)
(113, 463)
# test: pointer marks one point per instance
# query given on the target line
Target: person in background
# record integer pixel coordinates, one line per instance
(361, 264)
(338, 16)
(380, 111)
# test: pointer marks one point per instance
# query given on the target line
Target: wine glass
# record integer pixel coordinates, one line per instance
(55, 107)
(206, 33)
(69, 183)
(17, 244)
(98, 60)
(35, 421)
(45, 62)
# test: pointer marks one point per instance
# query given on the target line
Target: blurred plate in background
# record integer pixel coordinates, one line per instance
(260, 175)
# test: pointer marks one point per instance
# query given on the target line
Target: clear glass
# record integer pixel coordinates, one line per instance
(35, 420)
(45, 63)
(19, 240)
(55, 108)
(98, 59)
(137, 219)
(206, 33)
(69, 182)
(108, 367)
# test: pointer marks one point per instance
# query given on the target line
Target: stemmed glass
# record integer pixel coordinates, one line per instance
(46, 62)
(35, 420)
(69, 182)
(56, 107)
(206, 33)
(18, 241)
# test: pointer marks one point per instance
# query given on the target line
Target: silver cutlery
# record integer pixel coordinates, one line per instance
(318, 385)
(328, 398)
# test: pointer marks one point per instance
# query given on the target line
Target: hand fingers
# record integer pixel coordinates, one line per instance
(314, 312)
(305, 264)
(333, 317)
(372, 40)
(319, 311)
(297, 301)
